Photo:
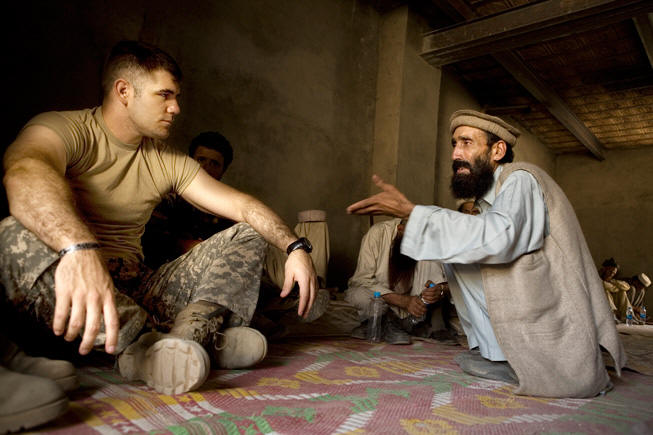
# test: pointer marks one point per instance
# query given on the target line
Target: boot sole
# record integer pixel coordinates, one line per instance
(170, 365)
(33, 417)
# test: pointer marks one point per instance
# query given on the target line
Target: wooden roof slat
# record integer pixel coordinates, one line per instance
(551, 101)
(535, 23)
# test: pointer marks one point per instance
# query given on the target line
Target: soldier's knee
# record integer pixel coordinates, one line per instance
(245, 233)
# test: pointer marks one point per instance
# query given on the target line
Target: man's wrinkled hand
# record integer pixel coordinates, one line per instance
(416, 307)
(299, 268)
(434, 292)
(84, 293)
(390, 202)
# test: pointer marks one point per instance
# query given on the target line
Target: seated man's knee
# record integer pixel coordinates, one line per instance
(359, 298)
(243, 232)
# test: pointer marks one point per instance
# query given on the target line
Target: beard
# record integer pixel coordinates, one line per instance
(400, 268)
(477, 182)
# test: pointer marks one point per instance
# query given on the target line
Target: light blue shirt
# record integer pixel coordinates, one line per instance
(510, 224)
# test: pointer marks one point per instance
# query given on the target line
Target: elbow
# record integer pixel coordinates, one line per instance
(12, 179)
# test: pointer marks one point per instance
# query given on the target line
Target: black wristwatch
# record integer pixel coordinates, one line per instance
(301, 243)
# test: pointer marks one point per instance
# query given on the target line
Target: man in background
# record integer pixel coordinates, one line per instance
(402, 282)
(176, 226)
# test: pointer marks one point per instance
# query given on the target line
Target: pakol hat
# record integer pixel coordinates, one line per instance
(485, 122)
(644, 279)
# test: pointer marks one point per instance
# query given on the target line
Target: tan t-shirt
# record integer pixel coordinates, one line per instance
(116, 185)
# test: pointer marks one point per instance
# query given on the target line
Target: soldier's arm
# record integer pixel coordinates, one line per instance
(41, 199)
(207, 193)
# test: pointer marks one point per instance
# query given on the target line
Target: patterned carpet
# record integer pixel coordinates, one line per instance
(347, 386)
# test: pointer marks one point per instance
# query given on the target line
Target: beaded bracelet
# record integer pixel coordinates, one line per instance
(79, 247)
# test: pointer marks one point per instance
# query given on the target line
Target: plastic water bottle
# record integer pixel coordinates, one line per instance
(414, 320)
(375, 324)
(629, 316)
(642, 315)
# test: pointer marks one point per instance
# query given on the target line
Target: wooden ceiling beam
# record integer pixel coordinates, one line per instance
(518, 27)
(644, 26)
(551, 100)
(512, 63)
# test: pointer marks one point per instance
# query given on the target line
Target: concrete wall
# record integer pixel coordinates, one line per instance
(406, 109)
(613, 200)
(291, 84)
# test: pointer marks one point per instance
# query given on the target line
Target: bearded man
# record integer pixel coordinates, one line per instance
(521, 275)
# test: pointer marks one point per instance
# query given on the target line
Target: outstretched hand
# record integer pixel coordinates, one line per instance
(389, 202)
(299, 268)
(84, 293)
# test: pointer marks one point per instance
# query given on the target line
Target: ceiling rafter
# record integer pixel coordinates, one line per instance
(499, 34)
(519, 27)
(551, 100)
(644, 26)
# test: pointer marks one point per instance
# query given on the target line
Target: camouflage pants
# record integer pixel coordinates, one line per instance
(224, 269)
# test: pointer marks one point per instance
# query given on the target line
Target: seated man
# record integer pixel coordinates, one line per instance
(638, 285)
(521, 275)
(402, 282)
(82, 184)
(616, 290)
(176, 226)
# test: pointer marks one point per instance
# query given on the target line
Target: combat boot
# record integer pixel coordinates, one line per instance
(169, 364)
(200, 322)
(28, 401)
(239, 347)
(62, 372)
(234, 348)
(176, 362)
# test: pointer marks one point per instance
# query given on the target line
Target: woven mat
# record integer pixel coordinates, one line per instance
(347, 386)
(639, 352)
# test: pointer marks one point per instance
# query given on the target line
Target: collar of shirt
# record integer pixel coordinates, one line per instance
(486, 201)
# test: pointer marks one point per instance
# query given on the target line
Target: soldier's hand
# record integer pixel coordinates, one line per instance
(84, 293)
(299, 268)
